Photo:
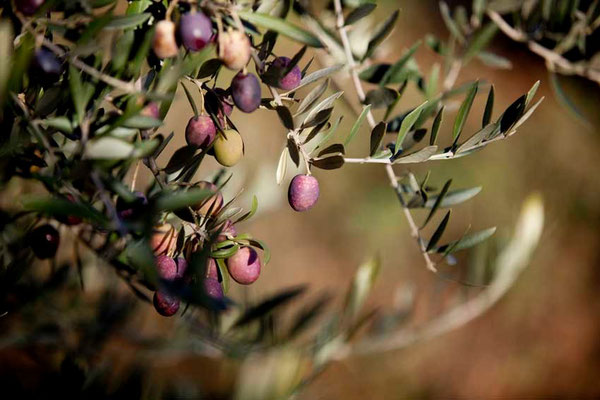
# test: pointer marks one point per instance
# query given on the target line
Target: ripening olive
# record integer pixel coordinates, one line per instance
(292, 79)
(28, 7)
(195, 31)
(245, 90)
(166, 304)
(164, 239)
(164, 43)
(200, 132)
(244, 266)
(235, 49)
(166, 268)
(213, 288)
(303, 192)
(211, 269)
(129, 210)
(229, 148)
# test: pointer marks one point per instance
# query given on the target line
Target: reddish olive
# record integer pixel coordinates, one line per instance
(195, 31)
(292, 79)
(303, 192)
(166, 304)
(200, 132)
(244, 266)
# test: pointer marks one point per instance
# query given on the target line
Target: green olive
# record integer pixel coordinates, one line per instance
(229, 148)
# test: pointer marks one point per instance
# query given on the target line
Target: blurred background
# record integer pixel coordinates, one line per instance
(540, 341)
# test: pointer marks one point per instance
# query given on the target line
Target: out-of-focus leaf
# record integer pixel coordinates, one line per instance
(281, 26)
(494, 60)
(480, 41)
(381, 97)
(59, 207)
(360, 12)
(181, 199)
(180, 158)
(282, 165)
(389, 75)
(361, 286)
(438, 232)
(6, 49)
(357, 124)
(382, 31)
(307, 315)
(269, 305)
(377, 135)
(142, 122)
(450, 24)
(127, 21)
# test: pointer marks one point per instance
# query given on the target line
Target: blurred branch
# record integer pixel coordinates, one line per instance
(554, 61)
(509, 264)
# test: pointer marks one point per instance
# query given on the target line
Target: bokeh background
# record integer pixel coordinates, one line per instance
(540, 341)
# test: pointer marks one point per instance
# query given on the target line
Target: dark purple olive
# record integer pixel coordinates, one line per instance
(28, 7)
(245, 90)
(44, 241)
(181, 267)
(166, 268)
(244, 266)
(166, 304)
(128, 210)
(292, 79)
(47, 65)
(303, 192)
(213, 288)
(200, 132)
(195, 31)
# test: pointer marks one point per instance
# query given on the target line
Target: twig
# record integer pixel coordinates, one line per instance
(554, 61)
(371, 119)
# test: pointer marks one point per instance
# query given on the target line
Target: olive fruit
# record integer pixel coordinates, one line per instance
(44, 241)
(166, 268)
(200, 132)
(292, 79)
(128, 210)
(211, 205)
(226, 229)
(195, 31)
(244, 266)
(303, 192)
(151, 110)
(234, 49)
(71, 219)
(181, 267)
(164, 239)
(28, 7)
(46, 65)
(164, 43)
(213, 288)
(229, 148)
(245, 90)
(166, 304)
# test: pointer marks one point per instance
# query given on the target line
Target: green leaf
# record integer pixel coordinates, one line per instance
(269, 305)
(484, 133)
(463, 112)
(361, 286)
(142, 122)
(312, 97)
(437, 202)
(450, 23)
(330, 133)
(190, 99)
(377, 135)
(489, 108)
(177, 200)
(281, 26)
(435, 128)
(357, 124)
(60, 207)
(531, 93)
(407, 124)
(81, 92)
(480, 41)
(250, 213)
(454, 197)
(467, 241)
(419, 156)
(358, 13)
(399, 65)
(382, 31)
(6, 49)
(127, 21)
(315, 76)
(438, 232)
(282, 165)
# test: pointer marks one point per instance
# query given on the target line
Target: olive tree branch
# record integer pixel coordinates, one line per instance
(414, 230)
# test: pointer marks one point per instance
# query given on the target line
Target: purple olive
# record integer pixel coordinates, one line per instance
(166, 304)
(166, 268)
(195, 31)
(292, 79)
(226, 229)
(44, 241)
(226, 101)
(245, 90)
(128, 210)
(303, 192)
(244, 266)
(234, 49)
(181, 267)
(164, 44)
(200, 132)
(28, 7)
(213, 288)
(151, 110)
(46, 65)
(211, 269)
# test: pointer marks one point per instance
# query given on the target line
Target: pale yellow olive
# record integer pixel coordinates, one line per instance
(229, 148)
